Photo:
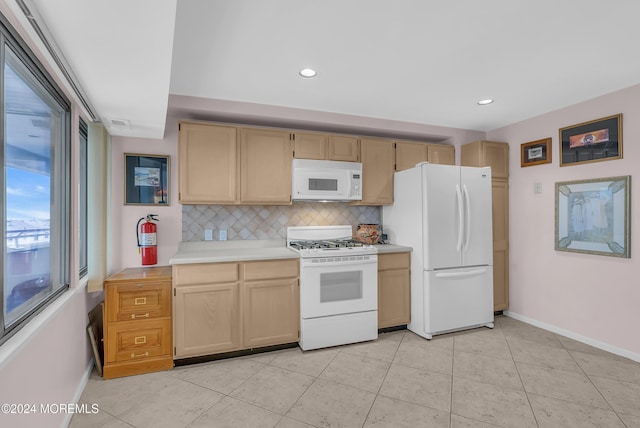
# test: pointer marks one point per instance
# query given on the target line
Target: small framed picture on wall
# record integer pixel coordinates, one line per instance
(536, 152)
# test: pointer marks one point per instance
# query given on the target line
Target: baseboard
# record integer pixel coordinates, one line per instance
(79, 391)
(571, 335)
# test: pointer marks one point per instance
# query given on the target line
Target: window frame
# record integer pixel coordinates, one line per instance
(83, 200)
(61, 186)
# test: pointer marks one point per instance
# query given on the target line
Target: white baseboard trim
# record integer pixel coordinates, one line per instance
(589, 341)
(79, 391)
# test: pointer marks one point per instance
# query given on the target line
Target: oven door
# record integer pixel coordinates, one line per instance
(338, 285)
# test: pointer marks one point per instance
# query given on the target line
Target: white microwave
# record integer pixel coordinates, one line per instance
(323, 180)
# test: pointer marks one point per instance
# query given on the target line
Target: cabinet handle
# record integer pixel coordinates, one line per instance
(140, 340)
(134, 316)
(140, 301)
(146, 354)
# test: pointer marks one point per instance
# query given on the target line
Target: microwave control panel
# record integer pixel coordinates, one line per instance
(356, 185)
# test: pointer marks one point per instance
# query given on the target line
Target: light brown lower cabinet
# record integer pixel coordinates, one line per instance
(223, 307)
(394, 289)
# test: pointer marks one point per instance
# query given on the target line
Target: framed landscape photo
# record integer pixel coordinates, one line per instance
(593, 141)
(146, 179)
(593, 216)
(535, 153)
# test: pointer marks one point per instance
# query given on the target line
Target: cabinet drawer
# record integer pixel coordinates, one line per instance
(394, 261)
(205, 273)
(138, 301)
(287, 268)
(131, 341)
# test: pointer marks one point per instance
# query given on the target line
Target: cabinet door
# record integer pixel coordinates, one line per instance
(394, 304)
(409, 154)
(378, 160)
(500, 202)
(265, 159)
(441, 154)
(271, 312)
(343, 148)
(496, 155)
(206, 319)
(310, 146)
(487, 153)
(207, 164)
(394, 289)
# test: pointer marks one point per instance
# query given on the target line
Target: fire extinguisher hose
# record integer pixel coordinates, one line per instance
(138, 234)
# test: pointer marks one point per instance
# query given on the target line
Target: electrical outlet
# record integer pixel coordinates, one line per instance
(223, 234)
(208, 234)
(537, 188)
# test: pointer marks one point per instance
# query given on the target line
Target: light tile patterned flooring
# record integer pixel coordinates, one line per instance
(515, 375)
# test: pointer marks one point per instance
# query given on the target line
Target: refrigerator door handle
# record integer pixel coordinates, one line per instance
(460, 218)
(461, 274)
(467, 215)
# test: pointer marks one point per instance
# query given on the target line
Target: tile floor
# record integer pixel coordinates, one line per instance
(515, 375)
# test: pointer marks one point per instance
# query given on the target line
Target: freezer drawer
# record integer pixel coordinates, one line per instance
(456, 299)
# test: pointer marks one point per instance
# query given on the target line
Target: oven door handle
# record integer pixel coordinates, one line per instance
(308, 263)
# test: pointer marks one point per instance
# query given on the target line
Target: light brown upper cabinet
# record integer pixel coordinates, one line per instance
(329, 147)
(410, 154)
(343, 148)
(378, 159)
(207, 163)
(265, 166)
(487, 153)
(441, 153)
(310, 146)
(495, 155)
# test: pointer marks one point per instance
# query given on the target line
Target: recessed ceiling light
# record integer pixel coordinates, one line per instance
(485, 102)
(308, 72)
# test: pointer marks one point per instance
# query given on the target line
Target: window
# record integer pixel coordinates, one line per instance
(34, 186)
(82, 202)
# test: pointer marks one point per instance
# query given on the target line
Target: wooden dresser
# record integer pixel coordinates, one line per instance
(137, 322)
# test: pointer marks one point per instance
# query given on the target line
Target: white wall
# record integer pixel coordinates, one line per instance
(596, 297)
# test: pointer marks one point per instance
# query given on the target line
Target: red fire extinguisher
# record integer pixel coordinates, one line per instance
(147, 243)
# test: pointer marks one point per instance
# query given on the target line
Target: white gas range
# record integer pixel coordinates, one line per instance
(338, 286)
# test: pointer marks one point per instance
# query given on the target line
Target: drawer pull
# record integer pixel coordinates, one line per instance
(140, 301)
(134, 316)
(146, 354)
(140, 340)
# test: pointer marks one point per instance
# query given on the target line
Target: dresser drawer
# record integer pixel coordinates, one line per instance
(138, 301)
(131, 341)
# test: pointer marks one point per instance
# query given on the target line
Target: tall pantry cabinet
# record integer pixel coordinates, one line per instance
(495, 155)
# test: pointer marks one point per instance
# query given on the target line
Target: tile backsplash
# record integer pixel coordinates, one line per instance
(269, 222)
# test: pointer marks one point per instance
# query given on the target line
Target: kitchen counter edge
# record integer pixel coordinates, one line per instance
(248, 250)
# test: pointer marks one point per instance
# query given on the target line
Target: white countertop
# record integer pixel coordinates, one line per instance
(231, 251)
(245, 250)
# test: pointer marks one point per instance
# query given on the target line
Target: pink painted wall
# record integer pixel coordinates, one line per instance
(52, 363)
(593, 296)
(123, 252)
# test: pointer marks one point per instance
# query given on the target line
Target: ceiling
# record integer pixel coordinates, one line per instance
(418, 61)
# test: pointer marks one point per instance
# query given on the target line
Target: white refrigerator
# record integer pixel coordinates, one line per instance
(444, 213)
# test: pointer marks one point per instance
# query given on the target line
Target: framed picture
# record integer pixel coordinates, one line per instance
(593, 216)
(146, 179)
(593, 141)
(535, 153)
